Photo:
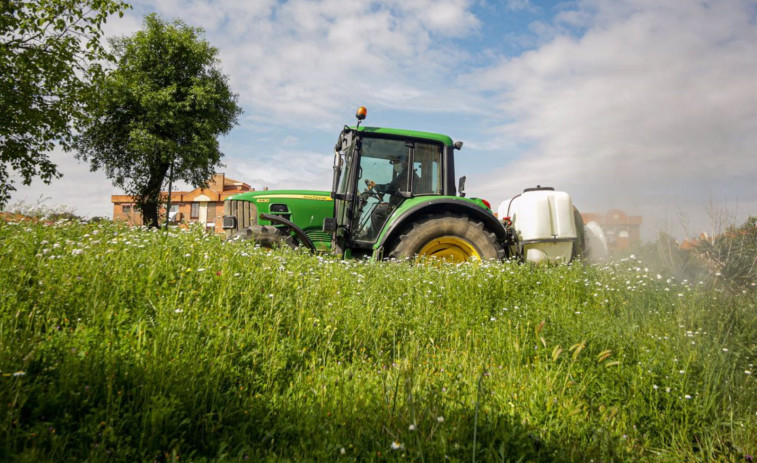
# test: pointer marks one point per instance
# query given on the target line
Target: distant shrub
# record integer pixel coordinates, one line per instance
(727, 261)
(731, 258)
(40, 210)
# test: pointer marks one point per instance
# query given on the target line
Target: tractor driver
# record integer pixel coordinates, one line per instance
(371, 219)
(399, 182)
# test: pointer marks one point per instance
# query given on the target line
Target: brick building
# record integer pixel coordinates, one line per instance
(201, 205)
(623, 232)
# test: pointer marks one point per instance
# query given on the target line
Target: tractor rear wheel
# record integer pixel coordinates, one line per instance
(450, 237)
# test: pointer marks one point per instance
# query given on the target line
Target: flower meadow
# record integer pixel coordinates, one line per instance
(122, 344)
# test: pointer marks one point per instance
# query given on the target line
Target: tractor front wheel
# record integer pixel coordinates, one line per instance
(449, 237)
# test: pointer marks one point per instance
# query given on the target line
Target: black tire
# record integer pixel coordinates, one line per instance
(266, 237)
(579, 246)
(468, 232)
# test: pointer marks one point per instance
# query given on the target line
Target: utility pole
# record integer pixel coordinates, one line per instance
(170, 188)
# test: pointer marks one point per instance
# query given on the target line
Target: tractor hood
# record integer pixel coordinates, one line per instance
(275, 195)
(307, 209)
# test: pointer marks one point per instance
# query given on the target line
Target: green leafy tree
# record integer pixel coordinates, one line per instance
(160, 111)
(50, 51)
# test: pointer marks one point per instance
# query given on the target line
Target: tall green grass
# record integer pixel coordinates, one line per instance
(137, 345)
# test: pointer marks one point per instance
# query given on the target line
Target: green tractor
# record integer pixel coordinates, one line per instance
(393, 196)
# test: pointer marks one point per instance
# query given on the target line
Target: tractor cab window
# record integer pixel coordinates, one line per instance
(390, 171)
(343, 161)
(383, 162)
(427, 162)
(382, 174)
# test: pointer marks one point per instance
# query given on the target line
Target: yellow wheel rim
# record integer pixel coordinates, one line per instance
(449, 248)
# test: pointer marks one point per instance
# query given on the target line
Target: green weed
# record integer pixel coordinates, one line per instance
(129, 344)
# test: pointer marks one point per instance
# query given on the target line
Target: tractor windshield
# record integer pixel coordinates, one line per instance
(391, 170)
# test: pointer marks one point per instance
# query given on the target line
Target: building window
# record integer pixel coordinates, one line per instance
(211, 213)
(195, 212)
(126, 209)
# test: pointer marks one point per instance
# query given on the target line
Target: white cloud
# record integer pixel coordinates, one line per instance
(520, 5)
(661, 99)
(310, 59)
(644, 105)
(86, 193)
(290, 170)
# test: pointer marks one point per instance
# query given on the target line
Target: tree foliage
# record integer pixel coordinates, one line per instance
(166, 102)
(50, 51)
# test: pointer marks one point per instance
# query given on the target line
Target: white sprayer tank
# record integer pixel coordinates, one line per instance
(545, 224)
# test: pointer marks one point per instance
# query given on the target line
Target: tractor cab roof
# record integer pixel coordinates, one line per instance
(437, 137)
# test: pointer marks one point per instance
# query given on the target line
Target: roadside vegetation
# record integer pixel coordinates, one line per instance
(125, 344)
(726, 261)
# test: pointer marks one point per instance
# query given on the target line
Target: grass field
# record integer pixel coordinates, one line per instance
(135, 345)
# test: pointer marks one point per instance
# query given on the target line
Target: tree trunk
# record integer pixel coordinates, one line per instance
(150, 199)
(150, 214)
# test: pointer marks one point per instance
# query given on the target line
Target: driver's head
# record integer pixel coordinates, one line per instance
(400, 163)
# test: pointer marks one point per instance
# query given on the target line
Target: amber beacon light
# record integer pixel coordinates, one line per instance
(361, 113)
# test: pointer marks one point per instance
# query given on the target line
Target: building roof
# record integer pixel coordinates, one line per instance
(219, 187)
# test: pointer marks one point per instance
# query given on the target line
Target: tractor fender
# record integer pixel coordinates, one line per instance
(403, 217)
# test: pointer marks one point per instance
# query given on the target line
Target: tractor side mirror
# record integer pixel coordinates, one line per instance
(461, 186)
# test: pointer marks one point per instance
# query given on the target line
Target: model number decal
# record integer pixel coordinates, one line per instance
(294, 196)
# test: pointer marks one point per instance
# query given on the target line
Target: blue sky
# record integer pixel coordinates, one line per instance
(642, 105)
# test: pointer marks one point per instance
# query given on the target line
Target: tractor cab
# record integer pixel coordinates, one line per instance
(376, 170)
